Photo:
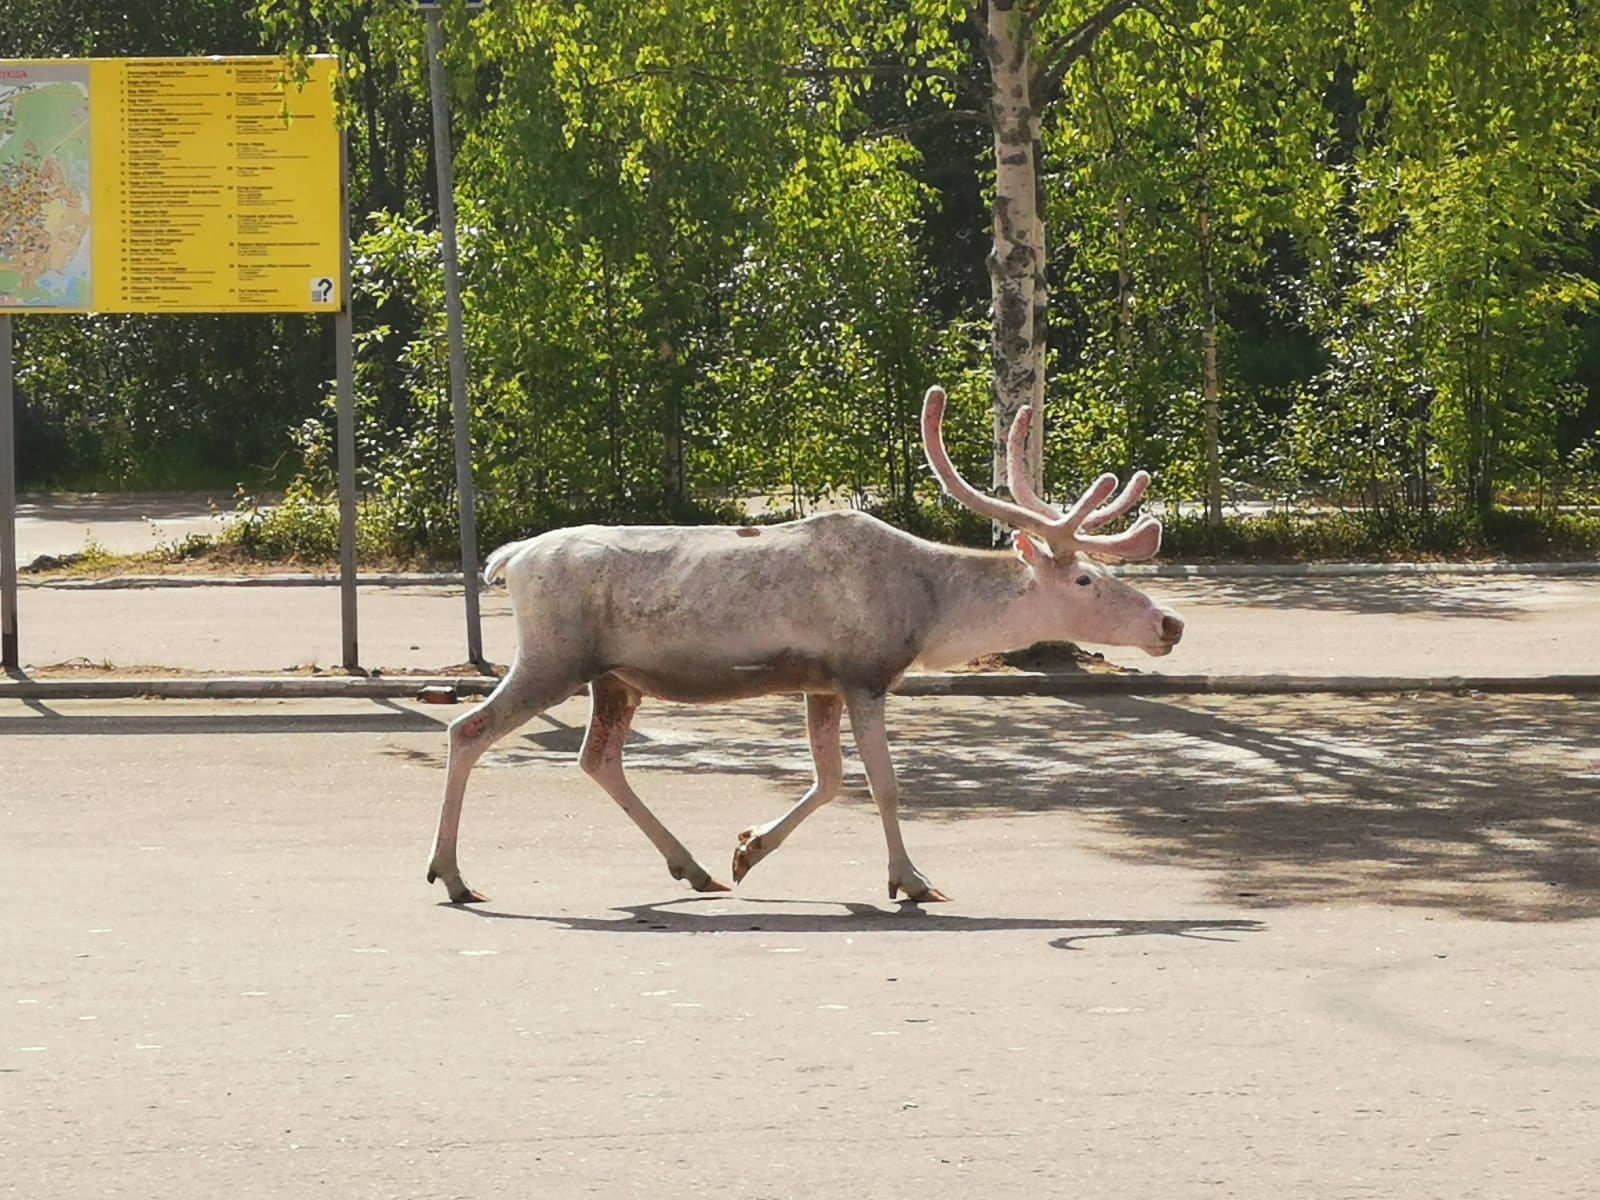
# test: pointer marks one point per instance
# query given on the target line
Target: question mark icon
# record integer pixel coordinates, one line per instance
(321, 290)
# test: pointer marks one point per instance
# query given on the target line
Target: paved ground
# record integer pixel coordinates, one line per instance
(1418, 626)
(1297, 947)
(1199, 947)
(117, 523)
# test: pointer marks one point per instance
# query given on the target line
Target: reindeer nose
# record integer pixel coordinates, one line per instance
(1171, 629)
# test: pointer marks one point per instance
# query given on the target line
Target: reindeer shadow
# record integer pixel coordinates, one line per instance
(703, 914)
(1484, 806)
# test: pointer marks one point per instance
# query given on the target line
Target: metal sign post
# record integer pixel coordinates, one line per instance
(461, 415)
(344, 355)
(8, 505)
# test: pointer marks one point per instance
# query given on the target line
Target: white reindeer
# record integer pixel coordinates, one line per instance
(837, 606)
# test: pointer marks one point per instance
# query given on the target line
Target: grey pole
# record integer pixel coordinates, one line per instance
(344, 357)
(344, 362)
(445, 176)
(8, 505)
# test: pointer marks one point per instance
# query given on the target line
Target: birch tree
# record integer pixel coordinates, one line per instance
(1029, 49)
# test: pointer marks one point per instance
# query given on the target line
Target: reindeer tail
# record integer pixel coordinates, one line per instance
(498, 559)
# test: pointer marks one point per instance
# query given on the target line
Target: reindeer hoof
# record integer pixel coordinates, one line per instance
(750, 850)
(460, 893)
(699, 878)
(924, 893)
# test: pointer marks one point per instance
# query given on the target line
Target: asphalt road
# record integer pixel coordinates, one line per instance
(1387, 626)
(1297, 946)
(117, 523)
(1200, 947)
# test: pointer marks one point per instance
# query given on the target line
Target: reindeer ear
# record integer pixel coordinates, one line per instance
(1028, 550)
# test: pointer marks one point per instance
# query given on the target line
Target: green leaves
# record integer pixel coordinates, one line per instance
(701, 260)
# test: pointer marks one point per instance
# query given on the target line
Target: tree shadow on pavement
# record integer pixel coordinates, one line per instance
(86, 507)
(52, 720)
(700, 914)
(1485, 806)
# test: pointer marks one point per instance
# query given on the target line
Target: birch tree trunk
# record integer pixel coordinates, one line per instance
(1017, 258)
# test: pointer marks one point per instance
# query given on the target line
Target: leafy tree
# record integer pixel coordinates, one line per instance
(625, 201)
(827, 337)
(1193, 187)
(1453, 314)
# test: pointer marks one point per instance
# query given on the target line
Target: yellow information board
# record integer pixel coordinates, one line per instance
(169, 185)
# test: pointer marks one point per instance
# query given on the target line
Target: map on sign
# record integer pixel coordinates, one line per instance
(44, 186)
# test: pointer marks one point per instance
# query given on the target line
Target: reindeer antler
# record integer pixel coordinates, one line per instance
(1022, 487)
(1063, 533)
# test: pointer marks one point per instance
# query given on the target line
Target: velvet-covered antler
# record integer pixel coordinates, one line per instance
(1063, 533)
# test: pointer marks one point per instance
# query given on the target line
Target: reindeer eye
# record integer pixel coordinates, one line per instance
(1083, 581)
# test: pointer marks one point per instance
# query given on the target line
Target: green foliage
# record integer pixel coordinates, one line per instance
(1373, 535)
(682, 285)
(826, 343)
(703, 262)
(161, 401)
(114, 28)
(1418, 231)
(1461, 276)
(302, 527)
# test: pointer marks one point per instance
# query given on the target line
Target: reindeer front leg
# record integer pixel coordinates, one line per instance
(528, 688)
(822, 724)
(872, 743)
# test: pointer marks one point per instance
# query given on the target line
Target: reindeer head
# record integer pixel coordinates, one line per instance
(1060, 548)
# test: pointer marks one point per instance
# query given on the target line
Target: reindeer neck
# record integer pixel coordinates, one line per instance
(986, 606)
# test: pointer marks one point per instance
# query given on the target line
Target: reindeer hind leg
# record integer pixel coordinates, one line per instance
(613, 706)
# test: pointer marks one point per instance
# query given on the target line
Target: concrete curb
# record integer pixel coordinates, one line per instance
(1073, 684)
(1131, 570)
(342, 687)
